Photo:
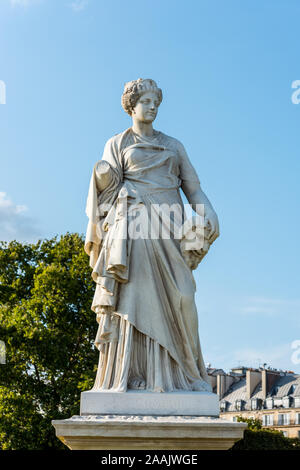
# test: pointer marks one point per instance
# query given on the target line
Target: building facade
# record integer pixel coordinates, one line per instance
(271, 395)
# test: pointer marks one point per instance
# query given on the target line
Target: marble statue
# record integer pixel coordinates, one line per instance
(144, 298)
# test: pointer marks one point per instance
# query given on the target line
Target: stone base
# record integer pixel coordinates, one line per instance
(135, 402)
(115, 432)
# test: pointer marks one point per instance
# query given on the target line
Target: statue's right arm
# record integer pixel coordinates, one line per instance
(103, 172)
(109, 167)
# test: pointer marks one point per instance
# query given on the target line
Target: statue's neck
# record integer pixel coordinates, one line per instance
(144, 129)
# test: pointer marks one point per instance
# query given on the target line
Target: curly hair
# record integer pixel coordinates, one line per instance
(135, 89)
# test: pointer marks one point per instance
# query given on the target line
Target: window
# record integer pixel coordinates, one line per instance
(274, 391)
(268, 420)
(283, 419)
(286, 402)
(299, 434)
(297, 418)
(297, 402)
(292, 389)
(285, 433)
(254, 404)
(223, 405)
(269, 403)
(234, 419)
(239, 405)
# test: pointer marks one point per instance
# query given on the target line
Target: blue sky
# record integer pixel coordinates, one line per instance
(226, 70)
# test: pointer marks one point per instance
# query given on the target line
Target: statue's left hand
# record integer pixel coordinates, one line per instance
(211, 220)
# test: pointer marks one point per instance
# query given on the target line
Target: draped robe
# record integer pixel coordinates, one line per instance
(144, 296)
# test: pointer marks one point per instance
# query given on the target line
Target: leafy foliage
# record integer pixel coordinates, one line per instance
(48, 328)
(258, 438)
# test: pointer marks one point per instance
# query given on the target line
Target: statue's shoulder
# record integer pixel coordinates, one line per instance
(119, 139)
(171, 142)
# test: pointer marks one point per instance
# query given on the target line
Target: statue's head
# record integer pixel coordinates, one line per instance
(141, 99)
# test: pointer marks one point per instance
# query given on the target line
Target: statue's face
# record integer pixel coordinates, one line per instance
(146, 108)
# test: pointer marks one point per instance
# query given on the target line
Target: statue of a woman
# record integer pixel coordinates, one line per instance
(144, 298)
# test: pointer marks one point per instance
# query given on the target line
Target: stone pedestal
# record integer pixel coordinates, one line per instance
(113, 432)
(139, 420)
(135, 402)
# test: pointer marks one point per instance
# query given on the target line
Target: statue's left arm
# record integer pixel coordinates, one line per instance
(190, 185)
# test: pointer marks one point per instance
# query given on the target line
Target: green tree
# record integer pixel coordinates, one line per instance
(258, 438)
(48, 328)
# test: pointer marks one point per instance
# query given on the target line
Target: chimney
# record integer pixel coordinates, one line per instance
(213, 381)
(223, 383)
(253, 377)
(268, 378)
